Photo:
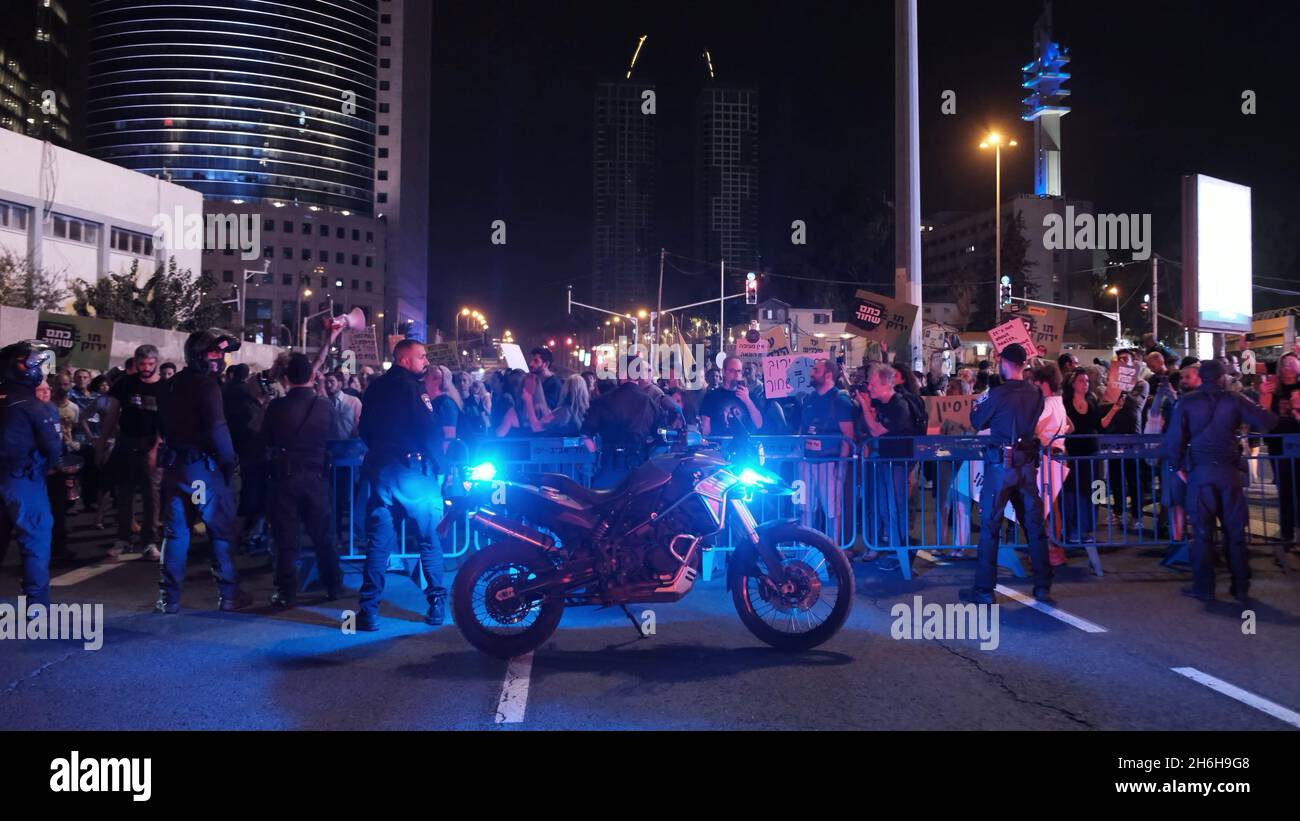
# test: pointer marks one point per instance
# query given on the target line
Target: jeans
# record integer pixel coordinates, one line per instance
(201, 485)
(398, 491)
(25, 511)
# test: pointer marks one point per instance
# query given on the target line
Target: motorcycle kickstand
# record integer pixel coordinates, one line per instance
(636, 625)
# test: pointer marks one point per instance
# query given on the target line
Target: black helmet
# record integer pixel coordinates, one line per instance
(25, 362)
(202, 343)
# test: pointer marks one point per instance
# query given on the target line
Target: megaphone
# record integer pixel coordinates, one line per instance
(353, 321)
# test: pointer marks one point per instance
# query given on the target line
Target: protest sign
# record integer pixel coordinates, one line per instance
(787, 375)
(514, 356)
(1046, 328)
(881, 319)
(1122, 376)
(777, 338)
(443, 353)
(941, 409)
(78, 341)
(751, 351)
(1012, 331)
(365, 346)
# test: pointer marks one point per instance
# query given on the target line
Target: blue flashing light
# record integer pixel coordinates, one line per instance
(485, 472)
(750, 477)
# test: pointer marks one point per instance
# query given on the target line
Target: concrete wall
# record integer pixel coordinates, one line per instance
(18, 323)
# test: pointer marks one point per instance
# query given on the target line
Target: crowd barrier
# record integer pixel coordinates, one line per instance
(918, 496)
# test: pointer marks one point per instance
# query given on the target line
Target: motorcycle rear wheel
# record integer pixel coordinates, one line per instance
(801, 617)
(503, 627)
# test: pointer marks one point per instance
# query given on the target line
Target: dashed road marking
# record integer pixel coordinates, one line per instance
(90, 571)
(514, 690)
(1055, 612)
(1244, 696)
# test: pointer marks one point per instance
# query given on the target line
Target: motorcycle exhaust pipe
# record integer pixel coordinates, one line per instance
(486, 519)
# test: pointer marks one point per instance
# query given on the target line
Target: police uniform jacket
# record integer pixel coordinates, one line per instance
(1205, 424)
(1010, 411)
(191, 416)
(29, 431)
(397, 417)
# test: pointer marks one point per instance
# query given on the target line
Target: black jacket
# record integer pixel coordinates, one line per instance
(29, 429)
(397, 416)
(1205, 425)
(297, 425)
(1010, 411)
(191, 416)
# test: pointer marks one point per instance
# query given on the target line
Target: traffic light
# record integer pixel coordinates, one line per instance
(751, 288)
(1146, 304)
(1005, 290)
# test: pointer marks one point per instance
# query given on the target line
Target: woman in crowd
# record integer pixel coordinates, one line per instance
(1086, 417)
(1277, 394)
(1052, 425)
(570, 411)
(474, 420)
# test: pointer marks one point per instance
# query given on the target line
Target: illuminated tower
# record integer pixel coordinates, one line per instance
(1045, 105)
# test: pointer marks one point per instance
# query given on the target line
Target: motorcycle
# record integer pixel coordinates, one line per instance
(558, 544)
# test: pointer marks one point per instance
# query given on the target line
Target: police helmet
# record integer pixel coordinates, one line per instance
(200, 346)
(26, 362)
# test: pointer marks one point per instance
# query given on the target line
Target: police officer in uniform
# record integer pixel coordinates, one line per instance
(1010, 412)
(29, 443)
(198, 462)
(296, 427)
(404, 442)
(1203, 445)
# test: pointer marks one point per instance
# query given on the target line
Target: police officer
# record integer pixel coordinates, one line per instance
(405, 438)
(1010, 412)
(198, 462)
(1202, 443)
(29, 442)
(296, 427)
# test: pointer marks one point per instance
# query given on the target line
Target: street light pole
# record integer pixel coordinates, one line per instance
(995, 140)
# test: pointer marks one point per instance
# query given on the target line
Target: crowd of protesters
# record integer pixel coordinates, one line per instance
(110, 419)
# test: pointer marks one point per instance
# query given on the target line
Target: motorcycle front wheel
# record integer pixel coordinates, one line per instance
(813, 602)
(487, 612)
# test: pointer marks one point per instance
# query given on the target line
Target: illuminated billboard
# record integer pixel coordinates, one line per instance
(1216, 255)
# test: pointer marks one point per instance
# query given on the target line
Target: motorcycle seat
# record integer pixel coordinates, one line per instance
(644, 479)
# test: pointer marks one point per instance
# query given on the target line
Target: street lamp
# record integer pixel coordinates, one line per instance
(995, 139)
(1119, 332)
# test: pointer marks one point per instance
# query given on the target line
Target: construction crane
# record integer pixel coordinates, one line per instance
(708, 60)
(632, 64)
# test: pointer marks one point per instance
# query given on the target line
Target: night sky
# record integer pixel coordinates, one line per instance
(1156, 94)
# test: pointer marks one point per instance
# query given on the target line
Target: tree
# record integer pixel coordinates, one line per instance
(170, 299)
(23, 286)
(966, 284)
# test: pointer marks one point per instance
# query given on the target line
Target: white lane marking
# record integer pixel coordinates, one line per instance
(90, 571)
(1245, 697)
(1055, 612)
(514, 690)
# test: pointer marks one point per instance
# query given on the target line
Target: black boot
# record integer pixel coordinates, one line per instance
(437, 611)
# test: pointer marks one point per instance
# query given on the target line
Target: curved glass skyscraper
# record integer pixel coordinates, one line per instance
(239, 99)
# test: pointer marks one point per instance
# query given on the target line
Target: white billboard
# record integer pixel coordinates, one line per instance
(1216, 255)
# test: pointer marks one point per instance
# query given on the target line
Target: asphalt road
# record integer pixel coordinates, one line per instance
(261, 669)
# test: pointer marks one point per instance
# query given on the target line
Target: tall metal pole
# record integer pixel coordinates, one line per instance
(997, 231)
(722, 305)
(1155, 300)
(907, 167)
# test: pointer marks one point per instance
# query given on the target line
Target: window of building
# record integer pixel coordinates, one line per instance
(288, 227)
(383, 108)
(356, 285)
(338, 232)
(228, 252)
(324, 230)
(370, 262)
(369, 289)
(268, 251)
(323, 257)
(324, 283)
(306, 255)
(356, 235)
(384, 62)
(385, 18)
(370, 236)
(268, 278)
(306, 229)
(385, 40)
(338, 257)
(13, 215)
(356, 260)
(268, 225)
(286, 252)
(382, 197)
(286, 279)
(383, 153)
(71, 228)
(227, 276)
(383, 174)
(821, 319)
(130, 242)
(384, 85)
(383, 131)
